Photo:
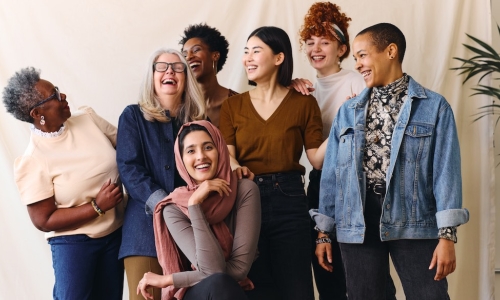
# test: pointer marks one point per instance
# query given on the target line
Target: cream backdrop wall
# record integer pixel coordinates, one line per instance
(96, 51)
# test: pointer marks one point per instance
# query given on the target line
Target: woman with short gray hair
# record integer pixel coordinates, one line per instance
(67, 179)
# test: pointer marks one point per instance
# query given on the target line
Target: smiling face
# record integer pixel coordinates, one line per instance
(55, 112)
(200, 156)
(374, 65)
(324, 54)
(169, 82)
(199, 58)
(260, 63)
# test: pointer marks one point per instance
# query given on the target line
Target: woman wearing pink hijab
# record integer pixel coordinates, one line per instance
(206, 233)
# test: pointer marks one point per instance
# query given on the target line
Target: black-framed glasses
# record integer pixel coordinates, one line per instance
(178, 67)
(56, 95)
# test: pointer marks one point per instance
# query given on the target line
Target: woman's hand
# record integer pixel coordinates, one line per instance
(150, 280)
(109, 196)
(246, 284)
(213, 185)
(46, 216)
(351, 96)
(243, 172)
(444, 258)
(324, 254)
(303, 86)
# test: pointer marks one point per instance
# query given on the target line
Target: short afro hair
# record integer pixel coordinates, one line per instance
(318, 20)
(20, 93)
(384, 34)
(210, 36)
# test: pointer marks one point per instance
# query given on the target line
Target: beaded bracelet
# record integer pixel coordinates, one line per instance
(97, 209)
(323, 240)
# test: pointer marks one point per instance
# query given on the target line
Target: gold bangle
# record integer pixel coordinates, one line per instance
(97, 209)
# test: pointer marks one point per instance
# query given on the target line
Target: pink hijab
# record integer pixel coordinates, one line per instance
(215, 207)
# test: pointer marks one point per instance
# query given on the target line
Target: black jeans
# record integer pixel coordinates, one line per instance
(366, 264)
(218, 286)
(332, 285)
(283, 268)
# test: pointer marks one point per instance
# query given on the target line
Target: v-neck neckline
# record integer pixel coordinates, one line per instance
(275, 112)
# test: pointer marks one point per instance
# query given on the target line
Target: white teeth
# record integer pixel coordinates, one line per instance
(366, 73)
(169, 81)
(316, 57)
(251, 67)
(195, 64)
(202, 166)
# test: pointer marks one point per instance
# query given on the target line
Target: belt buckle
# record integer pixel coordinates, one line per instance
(375, 186)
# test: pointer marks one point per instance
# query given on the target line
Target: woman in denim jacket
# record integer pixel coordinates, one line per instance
(391, 181)
(169, 97)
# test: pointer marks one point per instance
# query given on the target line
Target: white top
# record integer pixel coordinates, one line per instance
(332, 91)
(72, 167)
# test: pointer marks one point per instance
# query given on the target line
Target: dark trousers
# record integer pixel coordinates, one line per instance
(332, 285)
(218, 286)
(283, 267)
(87, 268)
(366, 264)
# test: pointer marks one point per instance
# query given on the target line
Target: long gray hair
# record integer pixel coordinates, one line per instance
(193, 101)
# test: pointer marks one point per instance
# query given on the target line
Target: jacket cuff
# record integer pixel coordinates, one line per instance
(155, 197)
(323, 222)
(452, 217)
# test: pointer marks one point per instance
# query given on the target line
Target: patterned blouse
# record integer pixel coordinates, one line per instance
(383, 112)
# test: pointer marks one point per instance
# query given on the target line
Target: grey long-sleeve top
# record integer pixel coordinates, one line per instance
(196, 240)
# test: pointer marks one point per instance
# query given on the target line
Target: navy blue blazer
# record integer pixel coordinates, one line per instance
(146, 162)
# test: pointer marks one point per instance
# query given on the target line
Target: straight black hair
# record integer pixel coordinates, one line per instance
(277, 39)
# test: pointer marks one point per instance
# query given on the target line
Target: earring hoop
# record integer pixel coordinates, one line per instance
(42, 121)
(214, 66)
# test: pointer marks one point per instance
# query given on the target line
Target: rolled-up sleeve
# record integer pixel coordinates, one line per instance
(447, 177)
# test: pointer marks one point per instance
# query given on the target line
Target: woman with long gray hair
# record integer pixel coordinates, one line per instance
(169, 98)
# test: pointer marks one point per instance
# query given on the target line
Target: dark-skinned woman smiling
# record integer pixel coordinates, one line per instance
(66, 178)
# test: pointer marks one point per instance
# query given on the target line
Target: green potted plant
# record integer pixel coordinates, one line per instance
(486, 61)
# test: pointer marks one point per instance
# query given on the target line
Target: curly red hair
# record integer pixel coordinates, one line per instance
(321, 13)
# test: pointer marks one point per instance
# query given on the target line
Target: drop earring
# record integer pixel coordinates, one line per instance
(214, 67)
(42, 121)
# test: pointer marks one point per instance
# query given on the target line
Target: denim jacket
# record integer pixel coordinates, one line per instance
(145, 158)
(423, 181)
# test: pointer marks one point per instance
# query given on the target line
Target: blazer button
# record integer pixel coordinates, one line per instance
(386, 233)
(167, 167)
(388, 206)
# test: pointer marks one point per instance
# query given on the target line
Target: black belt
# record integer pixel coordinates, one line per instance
(377, 188)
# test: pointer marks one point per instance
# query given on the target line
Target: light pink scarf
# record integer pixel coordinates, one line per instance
(215, 207)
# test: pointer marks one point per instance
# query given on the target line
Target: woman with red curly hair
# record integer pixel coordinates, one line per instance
(325, 40)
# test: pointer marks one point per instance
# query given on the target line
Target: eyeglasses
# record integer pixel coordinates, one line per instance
(178, 67)
(56, 95)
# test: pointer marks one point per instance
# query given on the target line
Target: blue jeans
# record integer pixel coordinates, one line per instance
(365, 264)
(218, 286)
(87, 268)
(283, 267)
